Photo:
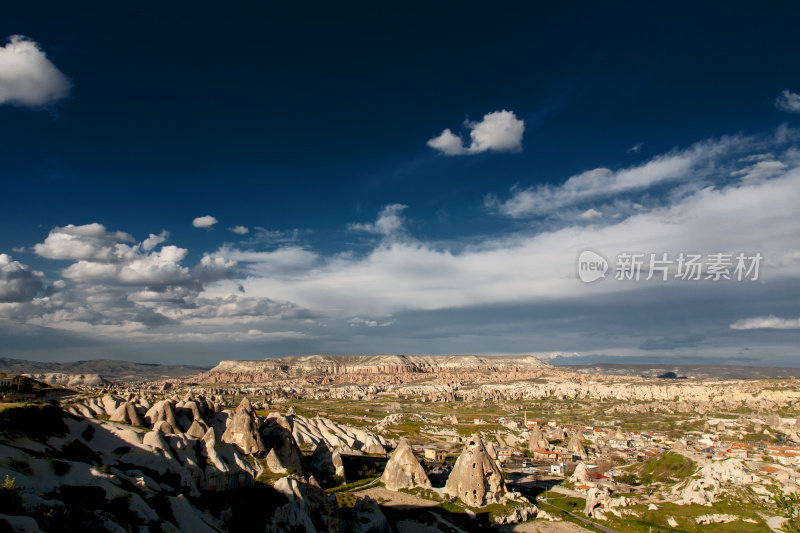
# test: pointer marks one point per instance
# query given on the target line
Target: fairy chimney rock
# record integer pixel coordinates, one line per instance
(476, 480)
(403, 470)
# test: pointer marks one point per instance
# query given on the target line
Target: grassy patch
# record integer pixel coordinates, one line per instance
(686, 516)
(349, 487)
(268, 477)
(425, 494)
(664, 468)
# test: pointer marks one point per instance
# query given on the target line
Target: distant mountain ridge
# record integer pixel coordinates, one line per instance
(688, 371)
(105, 369)
(347, 364)
(376, 369)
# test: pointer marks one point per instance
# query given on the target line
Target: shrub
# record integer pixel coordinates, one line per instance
(789, 506)
(10, 497)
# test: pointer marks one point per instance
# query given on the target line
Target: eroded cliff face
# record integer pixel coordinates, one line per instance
(376, 369)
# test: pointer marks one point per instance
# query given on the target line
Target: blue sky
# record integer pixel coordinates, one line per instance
(411, 179)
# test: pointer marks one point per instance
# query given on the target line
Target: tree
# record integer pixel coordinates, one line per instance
(789, 506)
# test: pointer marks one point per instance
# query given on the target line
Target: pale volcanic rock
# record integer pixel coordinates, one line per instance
(197, 429)
(162, 410)
(243, 430)
(327, 463)
(127, 413)
(70, 380)
(537, 440)
(293, 489)
(716, 518)
(110, 404)
(318, 429)
(290, 518)
(83, 410)
(575, 445)
(156, 440)
(403, 470)
(597, 498)
(20, 524)
(706, 486)
(728, 471)
(702, 491)
(164, 427)
(187, 517)
(197, 411)
(96, 406)
(209, 441)
(580, 475)
(493, 454)
(368, 517)
(372, 445)
(310, 498)
(517, 514)
(284, 454)
(372, 370)
(475, 478)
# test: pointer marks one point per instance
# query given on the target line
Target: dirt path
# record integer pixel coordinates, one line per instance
(775, 523)
(397, 500)
(544, 527)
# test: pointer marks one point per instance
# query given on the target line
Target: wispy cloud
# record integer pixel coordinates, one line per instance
(766, 322)
(635, 148)
(389, 223)
(358, 321)
(788, 101)
(27, 77)
(762, 166)
(529, 266)
(500, 131)
(692, 164)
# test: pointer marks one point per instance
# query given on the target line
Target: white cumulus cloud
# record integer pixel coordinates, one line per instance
(448, 143)
(18, 283)
(500, 131)
(90, 242)
(27, 77)
(204, 222)
(239, 230)
(154, 240)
